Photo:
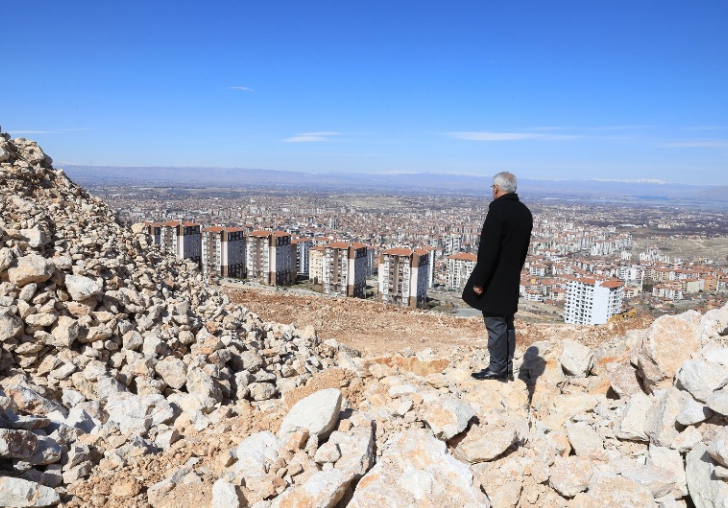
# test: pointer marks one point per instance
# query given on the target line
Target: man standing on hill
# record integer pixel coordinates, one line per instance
(493, 286)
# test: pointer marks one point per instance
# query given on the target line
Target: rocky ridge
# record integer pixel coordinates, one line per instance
(126, 382)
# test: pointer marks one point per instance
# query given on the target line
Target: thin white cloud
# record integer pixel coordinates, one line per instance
(639, 180)
(32, 131)
(307, 137)
(511, 136)
(699, 143)
(242, 88)
(705, 128)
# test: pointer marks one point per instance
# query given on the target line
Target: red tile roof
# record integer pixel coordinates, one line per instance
(464, 256)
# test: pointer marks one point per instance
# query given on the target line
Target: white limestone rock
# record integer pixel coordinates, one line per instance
(486, 440)
(201, 386)
(15, 492)
(718, 448)
(663, 416)
(571, 475)
(718, 402)
(673, 461)
(706, 490)
(623, 380)
(666, 344)
(576, 359)
(658, 480)
(11, 326)
(615, 492)
(30, 268)
(173, 371)
(416, 470)
(693, 412)
(323, 490)
(701, 378)
(227, 495)
(318, 413)
(448, 416)
(633, 425)
(17, 444)
(584, 439)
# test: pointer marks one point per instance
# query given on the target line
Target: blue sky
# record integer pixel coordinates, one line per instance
(547, 89)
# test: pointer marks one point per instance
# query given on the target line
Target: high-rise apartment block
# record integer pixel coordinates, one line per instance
(316, 264)
(592, 301)
(300, 247)
(223, 252)
(459, 268)
(179, 238)
(268, 257)
(403, 275)
(345, 269)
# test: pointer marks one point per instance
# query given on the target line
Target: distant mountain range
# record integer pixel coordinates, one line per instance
(438, 183)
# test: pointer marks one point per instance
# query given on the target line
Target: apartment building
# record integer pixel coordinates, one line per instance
(668, 291)
(592, 301)
(179, 238)
(268, 257)
(316, 264)
(459, 268)
(403, 277)
(344, 269)
(153, 229)
(223, 252)
(300, 248)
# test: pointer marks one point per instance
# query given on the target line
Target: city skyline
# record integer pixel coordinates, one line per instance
(556, 91)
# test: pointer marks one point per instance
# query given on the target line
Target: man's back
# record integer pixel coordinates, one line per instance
(503, 248)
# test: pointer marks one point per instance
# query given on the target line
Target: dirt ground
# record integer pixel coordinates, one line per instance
(377, 329)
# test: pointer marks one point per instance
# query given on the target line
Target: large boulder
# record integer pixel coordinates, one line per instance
(30, 268)
(485, 441)
(416, 470)
(666, 344)
(318, 413)
(20, 493)
(576, 359)
(448, 416)
(706, 490)
(80, 287)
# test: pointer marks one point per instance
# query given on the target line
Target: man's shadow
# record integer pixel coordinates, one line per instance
(533, 366)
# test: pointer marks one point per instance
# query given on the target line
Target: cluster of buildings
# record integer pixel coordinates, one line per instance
(580, 264)
(277, 258)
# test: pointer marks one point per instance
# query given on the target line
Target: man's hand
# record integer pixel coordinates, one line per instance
(478, 290)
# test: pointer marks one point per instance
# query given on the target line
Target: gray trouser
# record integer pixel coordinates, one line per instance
(501, 343)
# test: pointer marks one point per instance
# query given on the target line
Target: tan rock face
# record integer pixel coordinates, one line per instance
(669, 341)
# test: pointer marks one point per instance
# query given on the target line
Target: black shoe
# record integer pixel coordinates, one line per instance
(487, 374)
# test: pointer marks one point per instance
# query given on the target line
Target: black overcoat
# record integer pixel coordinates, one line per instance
(503, 247)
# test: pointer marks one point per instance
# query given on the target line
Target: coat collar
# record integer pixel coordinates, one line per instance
(511, 196)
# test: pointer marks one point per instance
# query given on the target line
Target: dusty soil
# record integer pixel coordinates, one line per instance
(377, 329)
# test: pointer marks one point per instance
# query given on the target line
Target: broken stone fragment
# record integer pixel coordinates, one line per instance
(30, 268)
(318, 413)
(23, 493)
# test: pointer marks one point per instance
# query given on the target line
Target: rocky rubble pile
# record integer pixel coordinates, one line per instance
(105, 342)
(638, 422)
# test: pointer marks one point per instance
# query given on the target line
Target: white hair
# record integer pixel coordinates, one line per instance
(506, 181)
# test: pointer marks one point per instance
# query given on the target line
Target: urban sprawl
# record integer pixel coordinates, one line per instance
(583, 263)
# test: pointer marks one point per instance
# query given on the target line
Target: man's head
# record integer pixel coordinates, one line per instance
(504, 183)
